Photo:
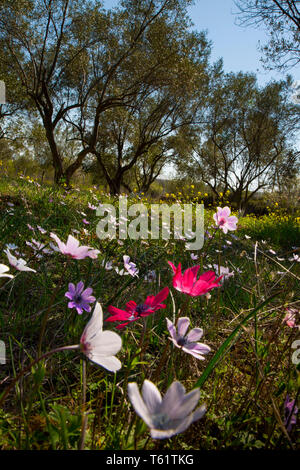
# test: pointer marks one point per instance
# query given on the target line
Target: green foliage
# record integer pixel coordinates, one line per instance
(247, 373)
(246, 143)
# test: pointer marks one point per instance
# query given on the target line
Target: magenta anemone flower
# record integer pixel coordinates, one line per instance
(134, 312)
(190, 285)
(187, 342)
(72, 248)
(224, 220)
(80, 299)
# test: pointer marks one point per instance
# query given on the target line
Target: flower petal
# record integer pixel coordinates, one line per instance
(171, 328)
(138, 403)
(110, 363)
(94, 325)
(194, 334)
(106, 343)
(183, 325)
(151, 396)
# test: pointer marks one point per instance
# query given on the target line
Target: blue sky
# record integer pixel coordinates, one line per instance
(237, 46)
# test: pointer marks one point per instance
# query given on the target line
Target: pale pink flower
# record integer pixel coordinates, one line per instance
(295, 258)
(108, 265)
(224, 220)
(130, 266)
(41, 229)
(223, 271)
(187, 342)
(290, 317)
(72, 248)
(19, 264)
(38, 247)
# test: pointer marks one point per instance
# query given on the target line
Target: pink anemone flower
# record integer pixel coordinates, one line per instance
(72, 248)
(290, 317)
(134, 312)
(190, 285)
(224, 220)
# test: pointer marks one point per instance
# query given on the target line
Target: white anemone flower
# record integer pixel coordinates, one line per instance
(4, 269)
(223, 271)
(169, 415)
(108, 266)
(121, 272)
(130, 266)
(98, 345)
(20, 264)
(11, 246)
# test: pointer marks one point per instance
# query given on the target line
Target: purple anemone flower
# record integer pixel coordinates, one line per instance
(80, 299)
(187, 342)
(290, 412)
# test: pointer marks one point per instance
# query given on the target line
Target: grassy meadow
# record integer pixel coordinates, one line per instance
(248, 381)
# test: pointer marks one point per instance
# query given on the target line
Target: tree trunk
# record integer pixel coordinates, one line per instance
(56, 158)
(115, 186)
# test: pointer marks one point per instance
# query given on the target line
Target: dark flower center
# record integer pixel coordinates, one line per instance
(141, 308)
(181, 341)
(77, 298)
(85, 347)
(160, 420)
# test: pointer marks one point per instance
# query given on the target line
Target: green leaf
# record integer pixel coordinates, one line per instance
(228, 343)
